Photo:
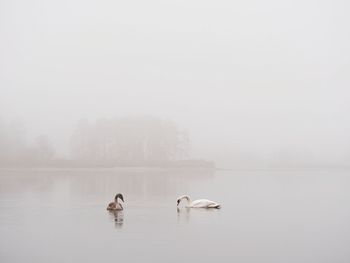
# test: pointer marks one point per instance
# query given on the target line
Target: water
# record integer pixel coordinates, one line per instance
(266, 216)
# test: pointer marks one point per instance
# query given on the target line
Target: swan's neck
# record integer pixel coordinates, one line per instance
(188, 200)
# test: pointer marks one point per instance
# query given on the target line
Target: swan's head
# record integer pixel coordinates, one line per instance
(182, 197)
(119, 196)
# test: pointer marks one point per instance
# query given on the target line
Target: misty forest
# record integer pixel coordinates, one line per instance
(153, 141)
(118, 141)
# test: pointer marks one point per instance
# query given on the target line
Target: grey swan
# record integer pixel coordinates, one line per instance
(113, 206)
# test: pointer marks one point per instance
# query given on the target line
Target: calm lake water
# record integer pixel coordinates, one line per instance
(266, 216)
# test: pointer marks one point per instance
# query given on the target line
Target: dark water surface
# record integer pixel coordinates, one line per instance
(266, 216)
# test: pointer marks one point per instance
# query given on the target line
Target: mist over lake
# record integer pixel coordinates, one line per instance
(174, 131)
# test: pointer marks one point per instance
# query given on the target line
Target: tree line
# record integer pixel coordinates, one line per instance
(117, 140)
(15, 149)
(129, 139)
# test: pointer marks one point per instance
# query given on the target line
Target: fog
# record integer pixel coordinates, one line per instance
(254, 83)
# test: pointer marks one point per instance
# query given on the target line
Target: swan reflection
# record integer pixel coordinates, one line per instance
(183, 213)
(186, 214)
(118, 217)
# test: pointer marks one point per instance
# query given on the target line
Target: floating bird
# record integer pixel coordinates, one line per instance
(200, 203)
(116, 205)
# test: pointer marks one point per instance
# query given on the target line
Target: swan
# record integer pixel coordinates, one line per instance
(116, 205)
(200, 203)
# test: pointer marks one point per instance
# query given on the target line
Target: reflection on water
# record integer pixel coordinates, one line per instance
(183, 214)
(118, 217)
(267, 216)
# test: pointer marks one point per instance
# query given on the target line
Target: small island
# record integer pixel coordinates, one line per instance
(136, 141)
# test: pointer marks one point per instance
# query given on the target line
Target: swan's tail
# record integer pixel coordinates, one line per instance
(215, 206)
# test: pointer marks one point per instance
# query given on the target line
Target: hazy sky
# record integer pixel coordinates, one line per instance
(256, 75)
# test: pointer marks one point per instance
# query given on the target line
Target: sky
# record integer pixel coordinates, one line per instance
(253, 78)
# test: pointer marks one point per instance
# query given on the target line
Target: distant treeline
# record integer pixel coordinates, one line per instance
(15, 150)
(127, 141)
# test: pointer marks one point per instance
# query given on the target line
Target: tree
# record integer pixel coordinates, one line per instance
(129, 139)
(43, 148)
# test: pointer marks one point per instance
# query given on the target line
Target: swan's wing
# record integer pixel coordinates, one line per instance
(205, 203)
(111, 206)
(119, 207)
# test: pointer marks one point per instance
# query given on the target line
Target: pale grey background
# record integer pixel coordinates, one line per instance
(247, 79)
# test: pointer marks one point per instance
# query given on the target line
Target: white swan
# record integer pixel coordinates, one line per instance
(200, 203)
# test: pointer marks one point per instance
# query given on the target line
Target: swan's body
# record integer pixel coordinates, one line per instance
(113, 206)
(200, 203)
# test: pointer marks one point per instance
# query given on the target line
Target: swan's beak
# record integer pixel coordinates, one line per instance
(178, 202)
